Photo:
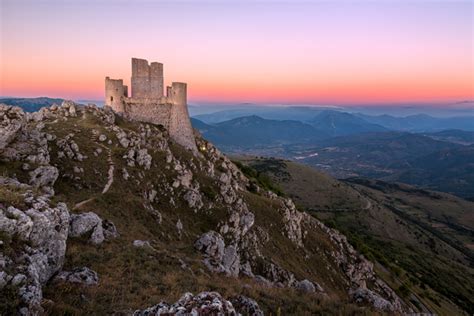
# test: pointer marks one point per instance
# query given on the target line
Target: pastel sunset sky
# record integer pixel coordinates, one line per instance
(299, 52)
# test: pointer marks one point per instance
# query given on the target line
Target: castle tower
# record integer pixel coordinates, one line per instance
(156, 80)
(147, 80)
(140, 78)
(180, 125)
(148, 104)
(114, 91)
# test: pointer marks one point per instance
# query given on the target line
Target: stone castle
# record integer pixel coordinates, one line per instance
(148, 103)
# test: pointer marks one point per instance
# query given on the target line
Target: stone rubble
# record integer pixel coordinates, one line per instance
(204, 303)
(84, 276)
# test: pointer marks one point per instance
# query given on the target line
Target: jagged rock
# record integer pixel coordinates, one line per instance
(82, 275)
(212, 245)
(138, 156)
(12, 119)
(246, 306)
(123, 140)
(231, 260)
(194, 199)
(40, 232)
(358, 270)
(143, 158)
(70, 106)
(87, 223)
(204, 303)
(292, 219)
(218, 257)
(44, 176)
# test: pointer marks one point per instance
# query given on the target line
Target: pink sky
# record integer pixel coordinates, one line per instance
(318, 52)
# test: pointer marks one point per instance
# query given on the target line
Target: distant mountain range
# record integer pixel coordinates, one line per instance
(353, 122)
(31, 104)
(346, 145)
(251, 131)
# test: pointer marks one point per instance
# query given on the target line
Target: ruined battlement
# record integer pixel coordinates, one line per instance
(148, 103)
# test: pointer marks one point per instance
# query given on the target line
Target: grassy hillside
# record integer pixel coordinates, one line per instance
(423, 238)
(149, 200)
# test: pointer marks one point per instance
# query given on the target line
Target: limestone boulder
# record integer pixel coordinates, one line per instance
(40, 231)
(44, 176)
(212, 245)
(306, 286)
(12, 119)
(84, 276)
(85, 224)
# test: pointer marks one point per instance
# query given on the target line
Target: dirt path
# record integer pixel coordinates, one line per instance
(110, 174)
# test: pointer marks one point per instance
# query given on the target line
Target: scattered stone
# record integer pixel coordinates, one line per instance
(84, 276)
(141, 243)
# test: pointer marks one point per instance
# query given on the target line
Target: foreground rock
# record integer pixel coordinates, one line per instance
(89, 223)
(84, 276)
(204, 303)
(36, 236)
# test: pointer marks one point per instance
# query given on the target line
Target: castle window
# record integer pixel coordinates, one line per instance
(111, 98)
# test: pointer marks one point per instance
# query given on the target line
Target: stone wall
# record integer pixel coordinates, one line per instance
(154, 111)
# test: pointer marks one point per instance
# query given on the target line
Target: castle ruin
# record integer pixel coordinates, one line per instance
(148, 103)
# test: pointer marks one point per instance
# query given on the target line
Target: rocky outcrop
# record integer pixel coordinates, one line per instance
(12, 119)
(204, 303)
(359, 272)
(36, 235)
(44, 177)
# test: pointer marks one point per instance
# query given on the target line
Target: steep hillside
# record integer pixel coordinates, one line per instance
(425, 239)
(103, 215)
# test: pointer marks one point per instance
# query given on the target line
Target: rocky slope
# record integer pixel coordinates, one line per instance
(100, 214)
(422, 238)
